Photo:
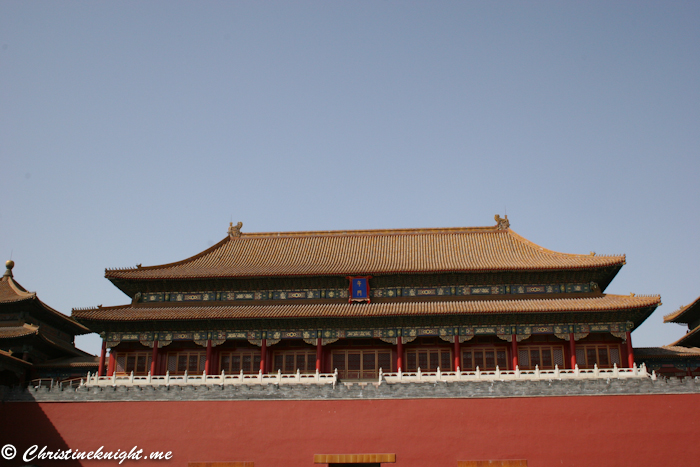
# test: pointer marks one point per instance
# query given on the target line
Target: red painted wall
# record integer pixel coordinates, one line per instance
(572, 431)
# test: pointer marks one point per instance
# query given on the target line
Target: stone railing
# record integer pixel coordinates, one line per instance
(517, 374)
(205, 379)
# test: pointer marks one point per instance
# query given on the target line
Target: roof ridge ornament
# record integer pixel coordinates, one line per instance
(9, 264)
(502, 223)
(234, 230)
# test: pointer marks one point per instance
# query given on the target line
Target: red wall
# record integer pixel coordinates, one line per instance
(597, 430)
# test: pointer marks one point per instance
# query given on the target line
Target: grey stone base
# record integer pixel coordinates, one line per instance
(491, 389)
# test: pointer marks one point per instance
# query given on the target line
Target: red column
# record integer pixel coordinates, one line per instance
(630, 353)
(458, 355)
(399, 353)
(319, 354)
(101, 367)
(112, 363)
(154, 357)
(207, 362)
(263, 356)
(514, 351)
(572, 350)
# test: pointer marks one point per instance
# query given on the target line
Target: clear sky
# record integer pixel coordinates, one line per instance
(133, 132)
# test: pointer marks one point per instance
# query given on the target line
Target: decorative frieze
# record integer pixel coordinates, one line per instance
(386, 292)
(390, 335)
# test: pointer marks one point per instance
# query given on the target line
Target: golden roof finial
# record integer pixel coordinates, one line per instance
(9, 264)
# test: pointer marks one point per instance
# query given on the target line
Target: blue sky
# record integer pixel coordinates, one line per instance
(133, 132)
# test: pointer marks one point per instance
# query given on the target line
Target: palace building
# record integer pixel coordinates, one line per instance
(366, 301)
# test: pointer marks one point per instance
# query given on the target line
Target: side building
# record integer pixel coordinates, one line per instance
(681, 358)
(36, 341)
(366, 301)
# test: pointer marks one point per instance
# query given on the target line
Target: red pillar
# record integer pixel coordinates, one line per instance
(101, 368)
(207, 362)
(154, 357)
(399, 354)
(319, 354)
(458, 355)
(630, 353)
(112, 363)
(572, 350)
(263, 356)
(514, 351)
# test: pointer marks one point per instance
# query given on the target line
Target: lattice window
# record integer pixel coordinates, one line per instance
(291, 361)
(615, 356)
(428, 359)
(138, 362)
(192, 362)
(523, 358)
(234, 362)
(484, 358)
(542, 356)
(361, 364)
(603, 355)
(559, 357)
(121, 363)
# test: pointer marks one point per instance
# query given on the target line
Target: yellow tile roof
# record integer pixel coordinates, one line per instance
(364, 310)
(475, 249)
(684, 314)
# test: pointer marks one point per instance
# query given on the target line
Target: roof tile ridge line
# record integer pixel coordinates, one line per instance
(18, 289)
(684, 337)
(176, 263)
(524, 240)
(681, 310)
(370, 232)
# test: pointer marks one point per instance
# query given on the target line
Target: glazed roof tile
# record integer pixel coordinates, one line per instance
(685, 314)
(666, 351)
(11, 292)
(691, 338)
(364, 310)
(475, 249)
(10, 332)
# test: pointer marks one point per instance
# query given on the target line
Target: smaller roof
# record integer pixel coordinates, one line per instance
(8, 357)
(600, 303)
(13, 294)
(690, 339)
(11, 332)
(88, 361)
(666, 351)
(685, 314)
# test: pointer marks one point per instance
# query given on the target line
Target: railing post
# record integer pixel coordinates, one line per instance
(419, 374)
(576, 370)
(148, 380)
(167, 378)
(498, 372)
(616, 371)
(517, 372)
(556, 371)
(537, 371)
(595, 370)
(438, 373)
(478, 372)
(185, 381)
(114, 378)
(222, 377)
